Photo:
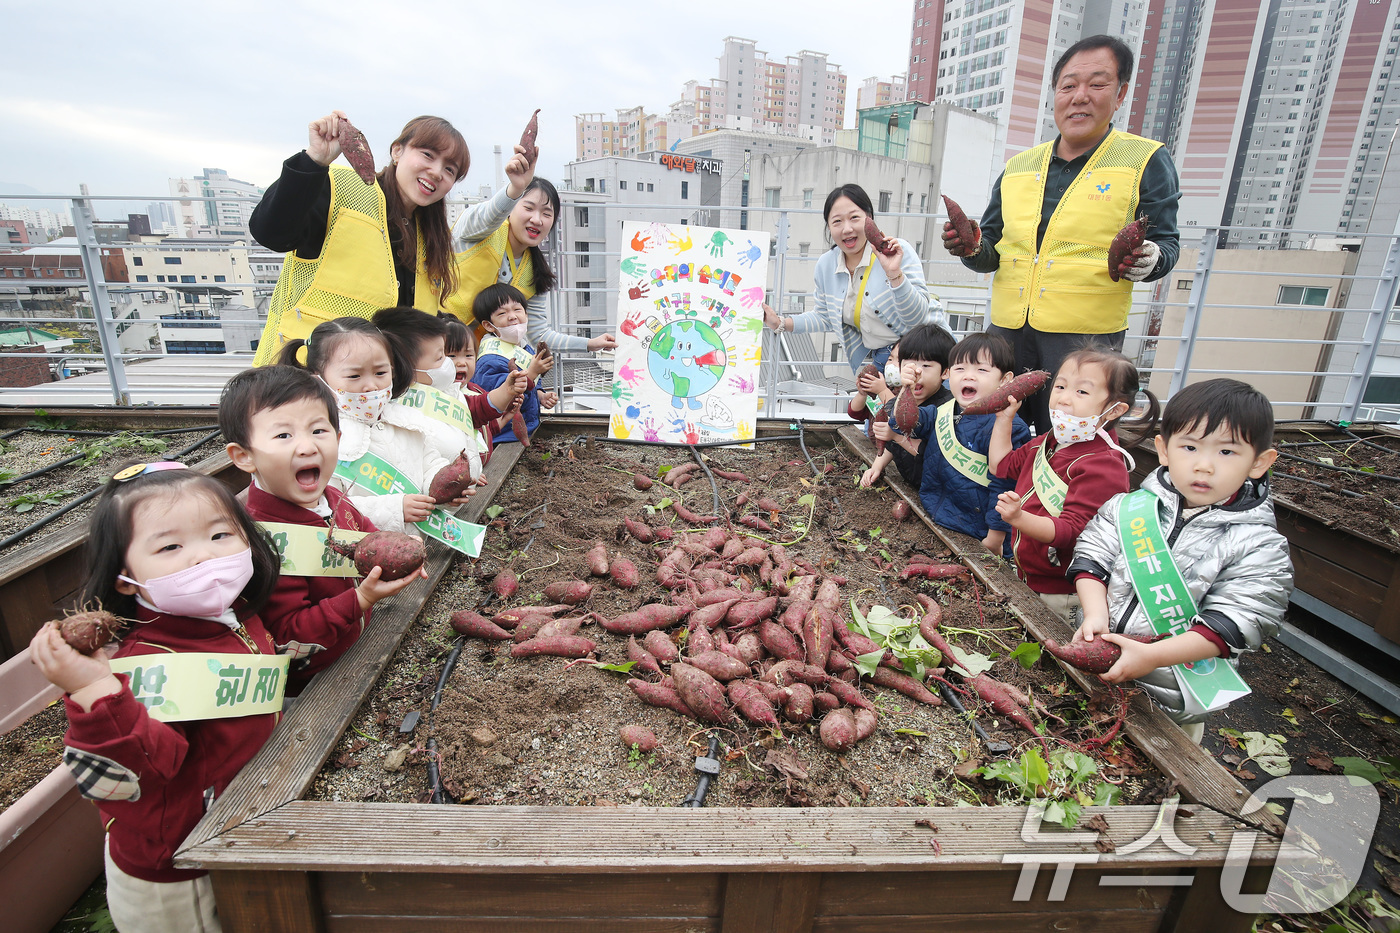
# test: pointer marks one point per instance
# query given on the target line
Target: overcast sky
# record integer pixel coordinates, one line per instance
(123, 96)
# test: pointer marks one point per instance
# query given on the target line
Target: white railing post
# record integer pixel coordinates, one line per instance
(1195, 304)
(779, 294)
(1386, 291)
(101, 301)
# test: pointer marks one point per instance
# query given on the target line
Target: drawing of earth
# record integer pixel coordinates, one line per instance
(686, 359)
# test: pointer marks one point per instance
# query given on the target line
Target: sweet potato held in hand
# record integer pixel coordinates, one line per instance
(85, 632)
(970, 236)
(355, 148)
(1127, 240)
(878, 241)
(1023, 386)
(527, 138)
(396, 555)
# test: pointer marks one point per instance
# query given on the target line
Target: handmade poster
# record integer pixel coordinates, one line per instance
(689, 334)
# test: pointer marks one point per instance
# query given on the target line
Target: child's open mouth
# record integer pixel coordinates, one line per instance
(309, 477)
(967, 393)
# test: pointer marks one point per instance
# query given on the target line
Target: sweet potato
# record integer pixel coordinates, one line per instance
(85, 632)
(639, 530)
(659, 644)
(751, 557)
(701, 692)
(824, 702)
(751, 703)
(572, 592)
(787, 673)
(886, 410)
(800, 704)
(679, 476)
(829, 596)
(1127, 240)
(527, 138)
(517, 419)
(730, 475)
(748, 647)
(849, 694)
(776, 695)
(971, 237)
(878, 241)
(1095, 656)
(395, 554)
(466, 622)
(795, 612)
(642, 656)
(641, 482)
(768, 505)
(624, 573)
(906, 410)
(1003, 703)
(838, 663)
(597, 558)
(690, 515)
(817, 636)
(699, 638)
(779, 641)
(569, 626)
(724, 595)
(713, 614)
(452, 480)
(906, 685)
(928, 628)
(838, 730)
(639, 737)
(869, 369)
(714, 539)
(932, 571)
(733, 547)
(355, 148)
(504, 584)
(1023, 386)
(510, 618)
(748, 613)
(900, 510)
(653, 616)
(719, 665)
(866, 723)
(662, 694)
(559, 646)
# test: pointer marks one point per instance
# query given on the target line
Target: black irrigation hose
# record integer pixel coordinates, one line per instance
(701, 446)
(802, 442)
(1312, 482)
(434, 777)
(1340, 469)
(708, 767)
(44, 469)
(77, 456)
(714, 486)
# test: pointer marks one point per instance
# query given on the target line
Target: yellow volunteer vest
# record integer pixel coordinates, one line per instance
(479, 266)
(1065, 288)
(352, 277)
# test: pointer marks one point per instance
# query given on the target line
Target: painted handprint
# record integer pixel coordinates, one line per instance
(751, 255)
(744, 386)
(718, 242)
(659, 233)
(641, 243)
(633, 266)
(751, 296)
(691, 435)
(619, 427)
(750, 325)
(637, 291)
(751, 354)
(629, 326)
(620, 392)
(627, 374)
(649, 431)
(681, 243)
(743, 431)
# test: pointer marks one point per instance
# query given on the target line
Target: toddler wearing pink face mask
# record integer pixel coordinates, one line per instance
(161, 721)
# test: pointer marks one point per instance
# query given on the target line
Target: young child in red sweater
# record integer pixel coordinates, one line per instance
(1062, 478)
(153, 734)
(282, 426)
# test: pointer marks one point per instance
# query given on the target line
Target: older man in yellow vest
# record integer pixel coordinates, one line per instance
(1055, 210)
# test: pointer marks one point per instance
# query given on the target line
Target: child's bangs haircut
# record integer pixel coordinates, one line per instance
(326, 342)
(1124, 384)
(458, 336)
(408, 328)
(1237, 406)
(110, 534)
(926, 343)
(264, 388)
(493, 297)
(972, 348)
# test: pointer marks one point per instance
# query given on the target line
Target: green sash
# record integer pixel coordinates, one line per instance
(1048, 486)
(967, 462)
(380, 478)
(304, 552)
(1206, 685)
(438, 405)
(511, 351)
(196, 685)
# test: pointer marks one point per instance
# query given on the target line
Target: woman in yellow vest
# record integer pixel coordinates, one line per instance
(499, 240)
(353, 248)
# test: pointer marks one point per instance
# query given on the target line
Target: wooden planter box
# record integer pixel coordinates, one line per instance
(51, 838)
(280, 863)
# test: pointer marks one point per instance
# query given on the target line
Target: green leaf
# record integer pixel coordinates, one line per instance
(808, 499)
(866, 663)
(1360, 767)
(911, 732)
(1026, 654)
(1078, 765)
(1031, 772)
(668, 501)
(545, 456)
(975, 662)
(1267, 752)
(623, 668)
(494, 510)
(1106, 794)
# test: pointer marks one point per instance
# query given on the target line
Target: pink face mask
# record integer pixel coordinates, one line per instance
(204, 591)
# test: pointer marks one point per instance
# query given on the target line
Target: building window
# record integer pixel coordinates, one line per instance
(802, 248)
(771, 196)
(650, 187)
(1183, 285)
(143, 278)
(582, 259)
(885, 197)
(585, 297)
(622, 186)
(136, 260)
(685, 190)
(581, 214)
(160, 278)
(172, 260)
(1316, 296)
(220, 278)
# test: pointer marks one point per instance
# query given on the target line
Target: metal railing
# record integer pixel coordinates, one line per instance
(1349, 334)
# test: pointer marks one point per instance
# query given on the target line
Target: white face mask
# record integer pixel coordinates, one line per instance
(443, 376)
(892, 375)
(513, 334)
(365, 407)
(1072, 429)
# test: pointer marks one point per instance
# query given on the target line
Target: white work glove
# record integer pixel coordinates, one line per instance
(1144, 261)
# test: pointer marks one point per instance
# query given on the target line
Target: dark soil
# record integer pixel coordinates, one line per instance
(30, 751)
(544, 730)
(1315, 476)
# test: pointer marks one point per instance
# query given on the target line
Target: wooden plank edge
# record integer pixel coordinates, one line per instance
(250, 795)
(325, 836)
(1150, 729)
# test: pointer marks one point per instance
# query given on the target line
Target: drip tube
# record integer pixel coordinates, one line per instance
(434, 777)
(708, 767)
(714, 486)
